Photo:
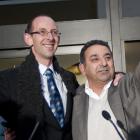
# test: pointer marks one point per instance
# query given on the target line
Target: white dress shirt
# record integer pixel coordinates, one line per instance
(59, 83)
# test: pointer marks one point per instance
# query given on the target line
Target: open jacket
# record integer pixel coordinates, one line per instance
(124, 101)
(23, 106)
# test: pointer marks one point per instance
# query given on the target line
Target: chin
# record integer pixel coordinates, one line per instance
(49, 55)
(106, 79)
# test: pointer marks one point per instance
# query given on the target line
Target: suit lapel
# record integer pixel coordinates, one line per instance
(85, 102)
(117, 106)
(68, 108)
(29, 90)
(49, 117)
(81, 111)
(71, 90)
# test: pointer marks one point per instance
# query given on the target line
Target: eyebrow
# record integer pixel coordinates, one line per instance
(95, 55)
(108, 54)
(46, 29)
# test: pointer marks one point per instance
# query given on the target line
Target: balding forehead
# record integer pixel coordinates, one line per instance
(44, 21)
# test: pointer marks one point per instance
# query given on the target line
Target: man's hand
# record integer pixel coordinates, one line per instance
(9, 134)
(118, 77)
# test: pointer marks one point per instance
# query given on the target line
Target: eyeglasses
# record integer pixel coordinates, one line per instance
(43, 33)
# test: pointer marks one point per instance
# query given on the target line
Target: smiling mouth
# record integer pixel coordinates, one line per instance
(48, 45)
(103, 70)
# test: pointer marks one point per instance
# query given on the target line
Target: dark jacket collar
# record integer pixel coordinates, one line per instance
(29, 82)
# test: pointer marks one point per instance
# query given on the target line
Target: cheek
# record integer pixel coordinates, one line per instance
(92, 69)
(112, 68)
(111, 64)
(36, 42)
(95, 67)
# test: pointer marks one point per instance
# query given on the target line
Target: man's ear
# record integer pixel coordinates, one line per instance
(82, 68)
(58, 39)
(28, 39)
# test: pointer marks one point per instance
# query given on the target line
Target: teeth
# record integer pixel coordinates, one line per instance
(103, 70)
(48, 45)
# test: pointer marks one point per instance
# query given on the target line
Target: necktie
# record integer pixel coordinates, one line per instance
(56, 104)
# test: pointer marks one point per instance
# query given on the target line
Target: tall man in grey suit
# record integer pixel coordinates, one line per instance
(98, 105)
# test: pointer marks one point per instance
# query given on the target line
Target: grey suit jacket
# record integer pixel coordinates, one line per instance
(124, 101)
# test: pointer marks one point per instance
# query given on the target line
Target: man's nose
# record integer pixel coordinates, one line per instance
(104, 62)
(50, 36)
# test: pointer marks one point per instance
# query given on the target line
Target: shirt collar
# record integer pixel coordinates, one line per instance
(42, 68)
(92, 94)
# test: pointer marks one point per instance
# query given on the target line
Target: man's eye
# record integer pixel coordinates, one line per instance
(108, 58)
(42, 32)
(54, 32)
(94, 59)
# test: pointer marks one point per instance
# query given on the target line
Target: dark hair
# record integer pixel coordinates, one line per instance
(89, 44)
(29, 25)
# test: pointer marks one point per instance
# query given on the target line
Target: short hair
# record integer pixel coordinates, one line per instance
(29, 24)
(89, 44)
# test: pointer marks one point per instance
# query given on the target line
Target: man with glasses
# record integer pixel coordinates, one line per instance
(25, 100)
